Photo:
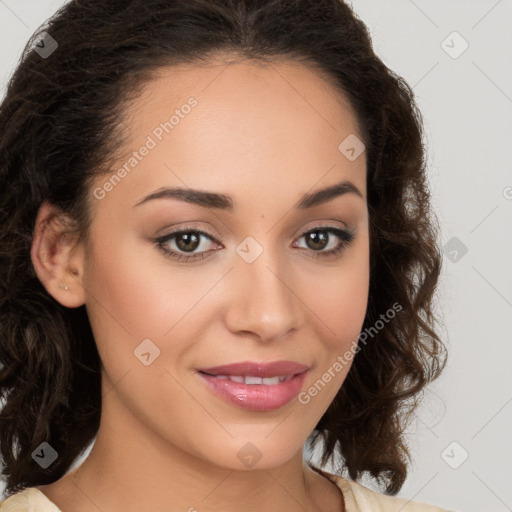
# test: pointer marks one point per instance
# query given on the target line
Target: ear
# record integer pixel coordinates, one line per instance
(58, 260)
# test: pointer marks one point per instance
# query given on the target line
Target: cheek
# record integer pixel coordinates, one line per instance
(339, 307)
(341, 298)
(123, 304)
(135, 295)
(131, 287)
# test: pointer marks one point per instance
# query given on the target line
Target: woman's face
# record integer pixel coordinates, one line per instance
(257, 288)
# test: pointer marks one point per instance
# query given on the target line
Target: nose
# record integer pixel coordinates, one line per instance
(264, 300)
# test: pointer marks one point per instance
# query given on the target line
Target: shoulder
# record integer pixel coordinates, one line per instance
(28, 500)
(359, 498)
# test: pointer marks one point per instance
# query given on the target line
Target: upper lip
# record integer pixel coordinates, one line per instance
(255, 369)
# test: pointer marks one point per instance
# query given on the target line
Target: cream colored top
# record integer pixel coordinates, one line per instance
(358, 498)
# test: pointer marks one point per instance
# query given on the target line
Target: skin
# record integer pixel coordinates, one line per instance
(265, 135)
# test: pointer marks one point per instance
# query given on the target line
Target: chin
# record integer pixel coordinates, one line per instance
(255, 453)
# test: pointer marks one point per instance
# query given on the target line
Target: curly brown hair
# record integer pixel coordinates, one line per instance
(60, 130)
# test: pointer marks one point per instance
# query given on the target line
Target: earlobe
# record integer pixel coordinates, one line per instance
(58, 261)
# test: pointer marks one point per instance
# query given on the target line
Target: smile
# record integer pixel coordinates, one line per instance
(274, 386)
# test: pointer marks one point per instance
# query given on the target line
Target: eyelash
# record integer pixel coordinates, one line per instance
(345, 236)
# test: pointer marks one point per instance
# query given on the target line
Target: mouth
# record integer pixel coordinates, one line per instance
(256, 386)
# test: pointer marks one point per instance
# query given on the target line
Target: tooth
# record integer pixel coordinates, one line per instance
(249, 379)
(253, 380)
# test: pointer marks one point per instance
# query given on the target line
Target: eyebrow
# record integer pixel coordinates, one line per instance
(225, 202)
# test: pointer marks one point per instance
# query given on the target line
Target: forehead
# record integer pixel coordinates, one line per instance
(263, 89)
(252, 126)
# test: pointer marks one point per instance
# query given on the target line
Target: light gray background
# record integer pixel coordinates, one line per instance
(467, 106)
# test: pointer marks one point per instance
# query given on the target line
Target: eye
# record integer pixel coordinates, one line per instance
(184, 239)
(320, 237)
(188, 239)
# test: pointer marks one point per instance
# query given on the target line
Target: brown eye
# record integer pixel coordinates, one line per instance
(319, 238)
(188, 240)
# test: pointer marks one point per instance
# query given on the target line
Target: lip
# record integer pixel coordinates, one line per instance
(256, 397)
(257, 369)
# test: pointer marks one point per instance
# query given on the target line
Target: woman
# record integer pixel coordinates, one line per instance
(217, 245)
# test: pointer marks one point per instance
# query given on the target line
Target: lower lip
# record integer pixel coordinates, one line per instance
(256, 397)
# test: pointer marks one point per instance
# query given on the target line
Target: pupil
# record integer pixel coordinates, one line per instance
(321, 239)
(191, 239)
